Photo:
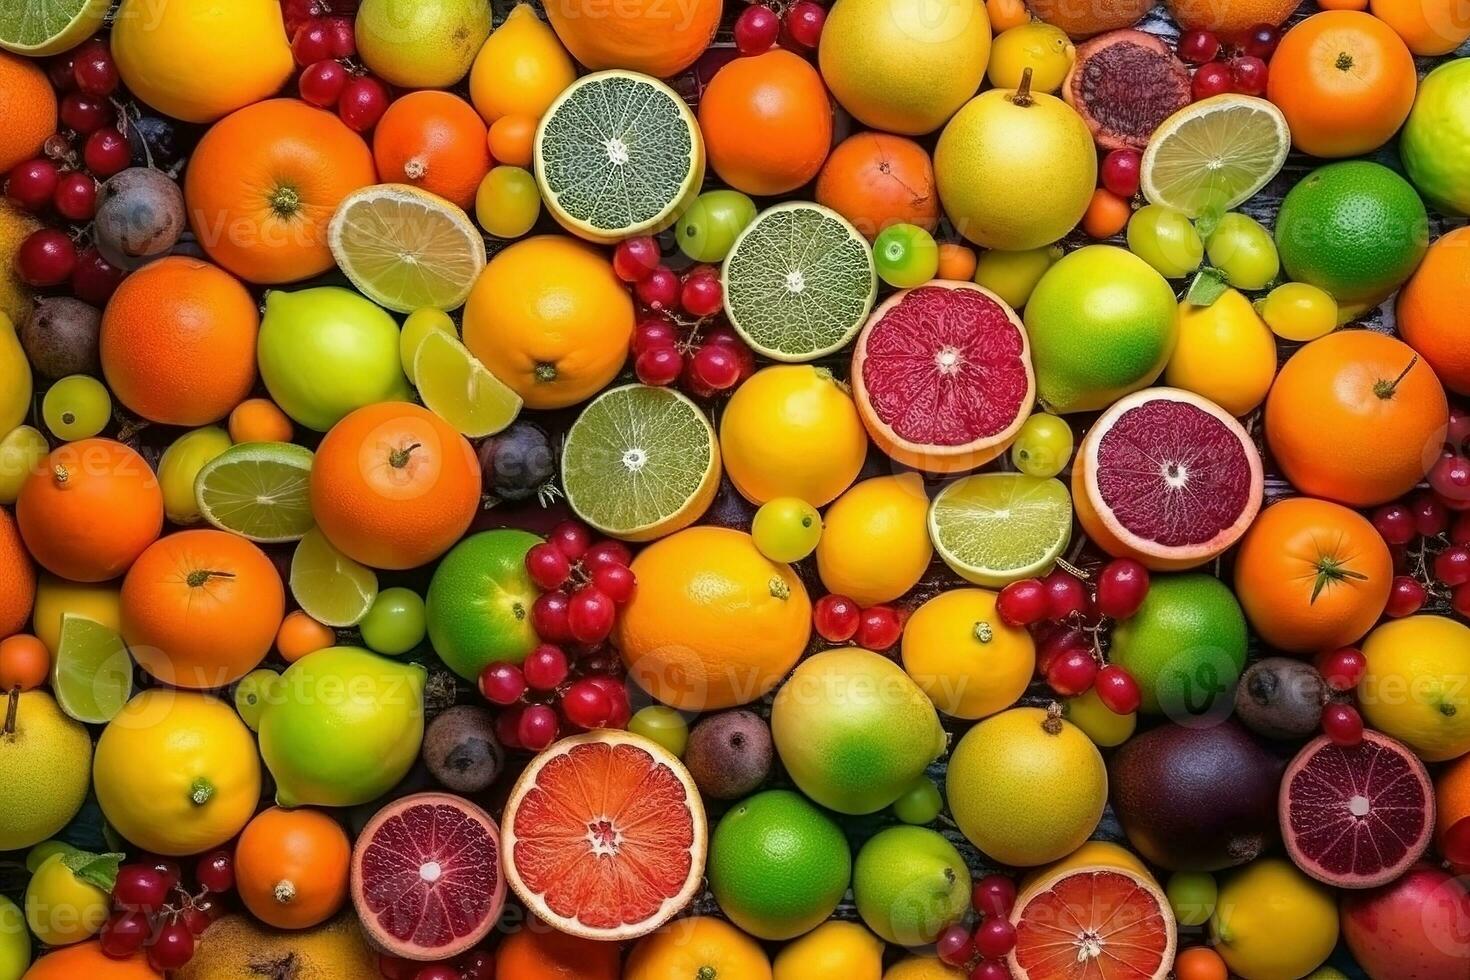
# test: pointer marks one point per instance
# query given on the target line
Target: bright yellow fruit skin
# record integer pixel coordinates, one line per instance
(521, 68)
(832, 951)
(100, 602)
(45, 766)
(695, 947)
(1224, 352)
(1272, 922)
(423, 44)
(875, 540)
(960, 653)
(15, 378)
(61, 908)
(922, 968)
(20, 452)
(1417, 685)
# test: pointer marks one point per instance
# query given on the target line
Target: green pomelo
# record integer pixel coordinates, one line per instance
(1435, 141)
(479, 603)
(1102, 325)
(45, 769)
(910, 883)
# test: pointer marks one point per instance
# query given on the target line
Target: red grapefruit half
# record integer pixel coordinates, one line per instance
(1168, 478)
(605, 836)
(426, 876)
(942, 376)
(1095, 922)
(1359, 816)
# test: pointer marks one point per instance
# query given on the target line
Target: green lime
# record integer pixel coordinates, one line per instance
(1192, 896)
(1185, 646)
(713, 222)
(663, 725)
(905, 255)
(93, 673)
(799, 282)
(457, 387)
(997, 528)
(920, 804)
(253, 692)
(618, 154)
(479, 604)
(640, 463)
(778, 866)
(910, 883)
(15, 938)
(396, 622)
(330, 587)
(259, 490)
(37, 28)
(1435, 142)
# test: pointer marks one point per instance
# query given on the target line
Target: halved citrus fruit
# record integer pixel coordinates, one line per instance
(258, 490)
(1100, 921)
(1168, 478)
(37, 28)
(93, 673)
(456, 387)
(605, 836)
(996, 528)
(328, 586)
(942, 376)
(1215, 154)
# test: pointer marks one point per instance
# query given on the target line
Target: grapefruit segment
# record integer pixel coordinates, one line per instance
(1094, 922)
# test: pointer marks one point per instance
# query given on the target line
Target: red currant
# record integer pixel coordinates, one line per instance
(1117, 690)
(76, 196)
(1342, 724)
(1405, 597)
(651, 332)
(47, 257)
(545, 668)
(635, 259)
(571, 538)
(62, 71)
(124, 934)
(1065, 595)
(1054, 644)
(587, 705)
(879, 628)
(94, 69)
(1342, 668)
(107, 152)
(344, 39)
(312, 43)
(1122, 585)
(32, 183)
(502, 683)
(836, 618)
(991, 970)
(616, 582)
(1460, 530)
(140, 888)
(1022, 603)
(322, 83)
(1457, 433)
(94, 280)
(1260, 41)
(659, 366)
(196, 918)
(756, 29)
(363, 102)
(1248, 75)
(547, 566)
(549, 617)
(804, 23)
(537, 727)
(1452, 566)
(617, 694)
(716, 367)
(1450, 480)
(215, 872)
(995, 938)
(1198, 47)
(659, 290)
(701, 296)
(1394, 523)
(606, 552)
(1121, 170)
(1431, 519)
(85, 113)
(508, 729)
(591, 615)
(1072, 673)
(1210, 80)
(954, 946)
(993, 895)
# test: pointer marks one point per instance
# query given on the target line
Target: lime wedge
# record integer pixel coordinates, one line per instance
(995, 528)
(640, 463)
(93, 673)
(1215, 154)
(799, 282)
(416, 326)
(37, 28)
(330, 587)
(259, 490)
(457, 388)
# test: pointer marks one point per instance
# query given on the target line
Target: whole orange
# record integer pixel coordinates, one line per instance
(27, 109)
(394, 486)
(1434, 307)
(200, 608)
(1428, 27)
(767, 122)
(87, 960)
(24, 662)
(1345, 82)
(512, 140)
(875, 180)
(300, 634)
(260, 420)
(262, 186)
(652, 36)
(538, 952)
(1356, 417)
(435, 141)
(1452, 811)
(17, 578)
(178, 342)
(89, 510)
(1230, 16)
(291, 867)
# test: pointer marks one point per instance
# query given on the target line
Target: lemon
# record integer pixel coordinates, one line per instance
(61, 907)
(1272, 922)
(1417, 685)
(424, 44)
(100, 602)
(1224, 352)
(15, 941)
(875, 540)
(1043, 48)
(330, 587)
(419, 324)
(1098, 721)
(832, 951)
(15, 378)
(181, 463)
(960, 653)
(455, 386)
(922, 968)
(520, 69)
(1215, 154)
(45, 766)
(20, 451)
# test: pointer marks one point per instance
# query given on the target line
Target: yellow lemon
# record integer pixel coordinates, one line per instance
(62, 908)
(1271, 922)
(177, 772)
(15, 378)
(521, 68)
(922, 968)
(875, 540)
(792, 430)
(423, 44)
(960, 653)
(697, 947)
(1224, 352)
(1042, 47)
(832, 951)
(101, 602)
(1417, 685)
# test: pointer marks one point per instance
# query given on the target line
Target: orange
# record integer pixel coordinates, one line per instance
(550, 319)
(1428, 27)
(300, 634)
(1452, 810)
(262, 186)
(1081, 20)
(291, 867)
(956, 262)
(1434, 307)
(25, 662)
(1106, 214)
(27, 110)
(88, 511)
(767, 122)
(1345, 82)
(1200, 963)
(652, 36)
(435, 141)
(200, 608)
(1005, 14)
(17, 578)
(697, 946)
(875, 180)
(178, 342)
(88, 960)
(512, 140)
(394, 486)
(260, 420)
(538, 952)
(1343, 4)
(1230, 16)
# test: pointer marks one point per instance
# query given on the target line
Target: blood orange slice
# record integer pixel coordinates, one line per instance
(426, 876)
(1168, 478)
(605, 836)
(1356, 816)
(1096, 922)
(942, 376)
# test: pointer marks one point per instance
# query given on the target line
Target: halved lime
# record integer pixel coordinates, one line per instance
(618, 154)
(996, 528)
(799, 282)
(456, 387)
(330, 587)
(640, 463)
(259, 490)
(93, 673)
(1215, 154)
(37, 28)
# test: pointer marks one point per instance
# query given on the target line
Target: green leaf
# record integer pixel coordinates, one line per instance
(95, 869)
(1208, 221)
(1209, 285)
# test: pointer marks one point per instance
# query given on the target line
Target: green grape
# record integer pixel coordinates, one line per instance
(906, 255)
(20, 452)
(1298, 311)
(1164, 238)
(395, 623)
(663, 725)
(1013, 275)
(709, 228)
(1192, 896)
(1097, 721)
(786, 529)
(1043, 446)
(508, 202)
(920, 803)
(1244, 251)
(254, 691)
(76, 407)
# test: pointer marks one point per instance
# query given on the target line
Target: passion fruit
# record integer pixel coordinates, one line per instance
(1124, 84)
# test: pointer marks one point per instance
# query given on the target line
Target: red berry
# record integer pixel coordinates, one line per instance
(653, 331)
(94, 69)
(396, 968)
(1405, 597)
(62, 72)
(545, 668)
(635, 259)
(1210, 80)
(701, 296)
(1431, 519)
(344, 40)
(617, 694)
(1452, 566)
(1072, 673)
(879, 628)
(1248, 75)
(995, 938)
(215, 872)
(140, 888)
(1460, 601)
(502, 683)
(587, 705)
(1342, 724)
(196, 918)
(1122, 586)
(716, 367)
(547, 566)
(167, 867)
(124, 934)
(312, 43)
(107, 152)
(363, 102)
(76, 196)
(32, 183)
(85, 113)
(1450, 480)
(991, 970)
(659, 366)
(1022, 603)
(1260, 41)
(804, 23)
(477, 964)
(756, 29)
(437, 971)
(549, 617)
(571, 538)
(46, 258)
(1198, 47)
(94, 280)
(322, 83)
(954, 946)
(607, 552)
(659, 290)
(1065, 595)
(993, 895)
(1460, 530)
(1059, 642)
(1117, 690)
(1120, 172)
(591, 615)
(1394, 523)
(537, 727)
(1457, 433)
(616, 582)
(1342, 668)
(836, 618)
(508, 729)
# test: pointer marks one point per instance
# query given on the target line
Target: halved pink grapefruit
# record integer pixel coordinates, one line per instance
(942, 376)
(605, 836)
(1168, 478)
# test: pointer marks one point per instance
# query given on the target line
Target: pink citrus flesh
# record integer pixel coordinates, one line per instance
(1097, 923)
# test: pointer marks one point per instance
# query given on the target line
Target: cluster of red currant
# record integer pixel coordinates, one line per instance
(477, 964)
(983, 948)
(320, 46)
(838, 619)
(759, 27)
(154, 911)
(1341, 670)
(1240, 66)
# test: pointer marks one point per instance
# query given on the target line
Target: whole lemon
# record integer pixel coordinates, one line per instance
(422, 44)
(62, 908)
(832, 951)
(521, 68)
(1271, 922)
(15, 373)
(961, 654)
(1224, 352)
(177, 772)
(1042, 47)
(1417, 685)
(180, 465)
(875, 540)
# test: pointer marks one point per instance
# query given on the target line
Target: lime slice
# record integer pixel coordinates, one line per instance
(93, 673)
(995, 528)
(1215, 154)
(37, 28)
(405, 248)
(330, 587)
(618, 154)
(457, 388)
(259, 490)
(640, 463)
(799, 282)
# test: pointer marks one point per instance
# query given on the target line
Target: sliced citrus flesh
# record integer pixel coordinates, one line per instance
(1215, 154)
(330, 587)
(258, 490)
(1093, 923)
(455, 386)
(996, 528)
(37, 28)
(93, 673)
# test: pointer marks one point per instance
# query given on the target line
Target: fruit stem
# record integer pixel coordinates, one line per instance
(1022, 97)
(1330, 570)
(779, 588)
(545, 371)
(1385, 389)
(415, 168)
(983, 632)
(60, 475)
(284, 892)
(199, 576)
(1053, 723)
(399, 458)
(706, 973)
(285, 202)
(201, 792)
(1344, 61)
(11, 709)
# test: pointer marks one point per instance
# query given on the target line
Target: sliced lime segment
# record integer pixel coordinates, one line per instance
(330, 587)
(995, 528)
(456, 387)
(38, 28)
(1215, 154)
(640, 463)
(93, 673)
(259, 490)
(799, 282)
